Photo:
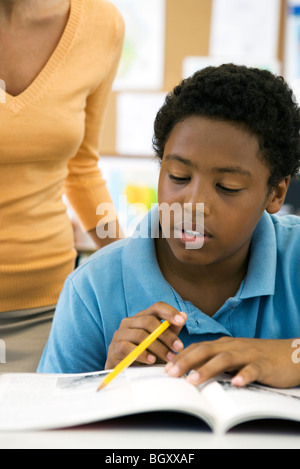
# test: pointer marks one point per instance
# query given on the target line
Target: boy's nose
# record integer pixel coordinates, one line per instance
(198, 197)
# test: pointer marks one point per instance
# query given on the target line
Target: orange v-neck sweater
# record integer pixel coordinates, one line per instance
(49, 138)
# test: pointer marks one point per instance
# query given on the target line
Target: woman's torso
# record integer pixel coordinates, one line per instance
(49, 134)
(28, 43)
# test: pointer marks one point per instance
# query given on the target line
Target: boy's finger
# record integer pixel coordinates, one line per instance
(224, 362)
(189, 359)
(164, 311)
(247, 375)
(124, 348)
(140, 329)
(176, 318)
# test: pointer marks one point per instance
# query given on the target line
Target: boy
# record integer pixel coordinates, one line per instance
(228, 141)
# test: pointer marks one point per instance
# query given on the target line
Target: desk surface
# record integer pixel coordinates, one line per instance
(164, 432)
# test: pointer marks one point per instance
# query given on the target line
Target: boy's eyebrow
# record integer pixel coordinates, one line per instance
(227, 169)
(181, 160)
(233, 170)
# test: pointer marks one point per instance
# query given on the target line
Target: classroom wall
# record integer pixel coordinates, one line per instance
(188, 24)
(187, 33)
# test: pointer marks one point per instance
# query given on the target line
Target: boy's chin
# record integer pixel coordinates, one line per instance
(185, 254)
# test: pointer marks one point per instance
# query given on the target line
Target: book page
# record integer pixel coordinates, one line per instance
(43, 402)
(233, 406)
(40, 402)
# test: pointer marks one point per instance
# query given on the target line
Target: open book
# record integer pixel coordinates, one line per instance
(41, 402)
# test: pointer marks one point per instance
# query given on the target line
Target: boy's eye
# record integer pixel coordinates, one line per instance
(179, 180)
(227, 190)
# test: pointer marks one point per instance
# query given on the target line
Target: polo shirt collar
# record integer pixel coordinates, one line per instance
(261, 276)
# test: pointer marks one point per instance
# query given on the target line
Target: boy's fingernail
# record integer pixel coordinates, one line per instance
(168, 367)
(179, 320)
(173, 371)
(170, 357)
(178, 346)
(151, 359)
(238, 381)
(194, 378)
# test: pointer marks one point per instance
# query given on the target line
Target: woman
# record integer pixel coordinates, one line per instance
(58, 62)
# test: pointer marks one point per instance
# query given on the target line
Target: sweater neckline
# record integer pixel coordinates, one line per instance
(43, 79)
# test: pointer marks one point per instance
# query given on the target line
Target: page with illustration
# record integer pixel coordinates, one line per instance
(56, 401)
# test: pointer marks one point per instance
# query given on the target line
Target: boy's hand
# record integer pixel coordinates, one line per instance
(268, 362)
(133, 331)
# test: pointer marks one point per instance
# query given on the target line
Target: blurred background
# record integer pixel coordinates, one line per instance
(166, 41)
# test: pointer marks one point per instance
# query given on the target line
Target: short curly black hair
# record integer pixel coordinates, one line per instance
(256, 99)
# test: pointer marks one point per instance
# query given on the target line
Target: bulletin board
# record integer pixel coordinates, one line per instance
(187, 33)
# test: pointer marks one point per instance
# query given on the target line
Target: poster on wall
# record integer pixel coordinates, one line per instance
(292, 45)
(142, 62)
(136, 113)
(245, 28)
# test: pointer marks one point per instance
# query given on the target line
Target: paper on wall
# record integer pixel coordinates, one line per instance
(142, 62)
(136, 113)
(292, 46)
(245, 28)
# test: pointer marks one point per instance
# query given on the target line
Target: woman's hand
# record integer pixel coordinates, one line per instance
(133, 331)
(268, 362)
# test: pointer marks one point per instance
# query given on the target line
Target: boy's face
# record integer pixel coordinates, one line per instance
(217, 164)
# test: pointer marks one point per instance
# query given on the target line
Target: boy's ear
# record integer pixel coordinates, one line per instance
(277, 197)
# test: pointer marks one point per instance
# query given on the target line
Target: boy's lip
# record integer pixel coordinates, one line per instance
(198, 230)
(192, 238)
(197, 237)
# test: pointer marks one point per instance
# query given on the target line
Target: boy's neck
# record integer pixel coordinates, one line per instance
(207, 287)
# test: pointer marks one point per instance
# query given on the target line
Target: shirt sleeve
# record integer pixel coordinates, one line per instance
(84, 186)
(76, 343)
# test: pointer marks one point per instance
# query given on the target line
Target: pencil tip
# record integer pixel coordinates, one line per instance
(102, 386)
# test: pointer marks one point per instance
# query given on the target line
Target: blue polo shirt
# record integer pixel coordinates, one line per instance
(124, 279)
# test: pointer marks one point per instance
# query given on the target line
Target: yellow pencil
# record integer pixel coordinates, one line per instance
(135, 354)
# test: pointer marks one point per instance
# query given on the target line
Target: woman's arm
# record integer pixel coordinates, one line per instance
(84, 186)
